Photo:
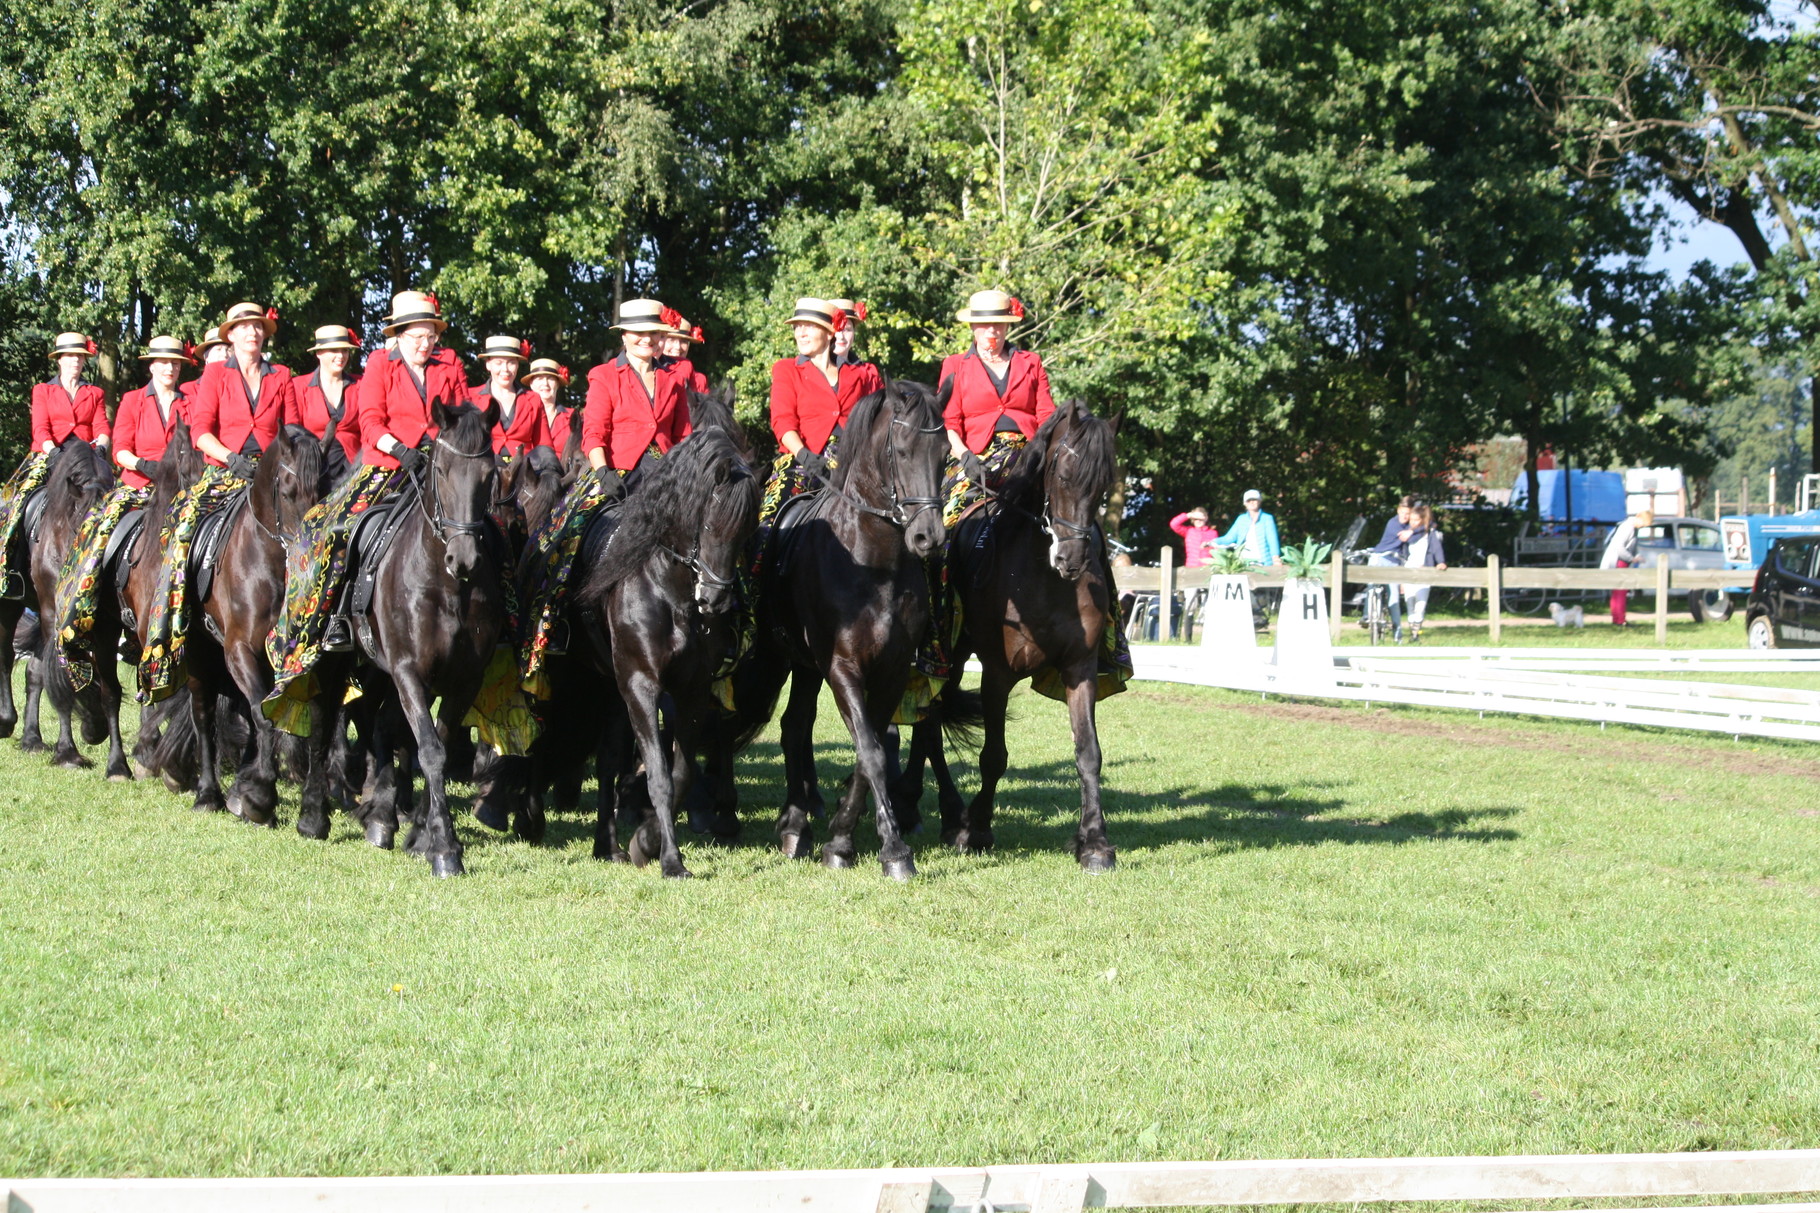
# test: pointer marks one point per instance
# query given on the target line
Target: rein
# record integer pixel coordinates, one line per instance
(1047, 520)
(431, 506)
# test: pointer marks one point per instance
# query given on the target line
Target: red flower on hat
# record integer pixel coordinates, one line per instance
(563, 373)
(353, 339)
(838, 320)
(695, 333)
(859, 310)
(524, 347)
(271, 313)
(1017, 308)
(91, 345)
(435, 303)
(189, 350)
(669, 317)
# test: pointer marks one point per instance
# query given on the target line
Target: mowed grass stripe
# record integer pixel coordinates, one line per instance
(1333, 932)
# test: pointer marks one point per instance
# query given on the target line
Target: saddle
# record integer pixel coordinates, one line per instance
(211, 534)
(788, 523)
(116, 560)
(594, 542)
(372, 537)
(31, 516)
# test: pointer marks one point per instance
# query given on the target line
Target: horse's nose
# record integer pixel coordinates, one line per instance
(452, 565)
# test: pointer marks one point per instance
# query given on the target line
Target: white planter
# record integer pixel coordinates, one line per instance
(1303, 640)
(1228, 630)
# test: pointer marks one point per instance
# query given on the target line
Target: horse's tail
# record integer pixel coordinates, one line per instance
(962, 714)
(86, 704)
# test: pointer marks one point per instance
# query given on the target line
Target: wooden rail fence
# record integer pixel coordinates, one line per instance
(1493, 579)
(1011, 1189)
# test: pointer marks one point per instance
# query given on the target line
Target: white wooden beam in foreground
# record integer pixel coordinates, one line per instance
(1052, 1189)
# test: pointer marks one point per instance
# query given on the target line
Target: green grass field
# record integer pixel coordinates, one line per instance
(1334, 931)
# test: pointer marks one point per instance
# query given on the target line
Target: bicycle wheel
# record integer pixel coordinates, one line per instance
(1524, 602)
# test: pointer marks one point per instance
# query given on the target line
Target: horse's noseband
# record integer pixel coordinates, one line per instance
(431, 504)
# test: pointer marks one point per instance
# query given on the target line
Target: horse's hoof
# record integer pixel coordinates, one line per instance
(832, 858)
(172, 785)
(901, 869)
(444, 866)
(701, 821)
(635, 851)
(681, 873)
(32, 745)
(252, 813)
(7, 727)
(1097, 861)
(727, 831)
(72, 762)
(529, 826)
(493, 817)
(380, 834)
(794, 846)
(313, 826)
(205, 805)
(120, 777)
(973, 842)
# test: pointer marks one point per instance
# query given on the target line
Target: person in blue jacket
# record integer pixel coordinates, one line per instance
(1254, 532)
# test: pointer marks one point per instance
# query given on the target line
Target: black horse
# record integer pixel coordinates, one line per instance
(1036, 597)
(660, 603)
(844, 598)
(438, 606)
(226, 650)
(80, 479)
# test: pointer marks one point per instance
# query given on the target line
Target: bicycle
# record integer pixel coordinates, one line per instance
(1375, 615)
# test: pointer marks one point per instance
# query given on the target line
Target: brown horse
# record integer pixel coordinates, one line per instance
(1036, 596)
(226, 649)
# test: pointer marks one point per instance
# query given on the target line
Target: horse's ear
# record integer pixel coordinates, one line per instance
(942, 393)
(1116, 420)
(439, 413)
(492, 413)
(729, 395)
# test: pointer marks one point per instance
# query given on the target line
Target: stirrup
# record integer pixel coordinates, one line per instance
(558, 644)
(338, 637)
(12, 585)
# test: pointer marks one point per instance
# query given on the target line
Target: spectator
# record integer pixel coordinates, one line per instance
(1621, 553)
(1392, 551)
(1423, 551)
(1197, 536)
(1254, 532)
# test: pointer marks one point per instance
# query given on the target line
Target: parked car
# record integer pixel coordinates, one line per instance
(1784, 606)
(1688, 543)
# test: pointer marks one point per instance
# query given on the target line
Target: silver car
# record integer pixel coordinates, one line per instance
(1687, 543)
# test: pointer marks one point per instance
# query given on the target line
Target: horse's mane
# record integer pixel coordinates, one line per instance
(671, 496)
(468, 427)
(714, 410)
(78, 470)
(918, 409)
(305, 458)
(1093, 442)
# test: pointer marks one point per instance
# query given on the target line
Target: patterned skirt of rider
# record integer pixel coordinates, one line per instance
(544, 594)
(167, 630)
(315, 574)
(999, 457)
(788, 479)
(78, 586)
(29, 475)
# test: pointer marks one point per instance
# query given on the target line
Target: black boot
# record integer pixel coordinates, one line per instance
(338, 637)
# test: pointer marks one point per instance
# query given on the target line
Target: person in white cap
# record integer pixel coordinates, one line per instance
(63, 408)
(142, 429)
(1000, 396)
(1254, 532)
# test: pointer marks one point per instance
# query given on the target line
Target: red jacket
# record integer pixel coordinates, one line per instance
(139, 430)
(527, 428)
(312, 411)
(802, 400)
(622, 418)
(693, 379)
(974, 408)
(392, 403)
(55, 416)
(221, 406)
(559, 429)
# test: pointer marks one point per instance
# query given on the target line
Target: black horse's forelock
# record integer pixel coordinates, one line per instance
(1094, 462)
(305, 455)
(80, 470)
(667, 508)
(470, 429)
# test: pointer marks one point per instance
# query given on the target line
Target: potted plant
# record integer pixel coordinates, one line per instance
(1302, 637)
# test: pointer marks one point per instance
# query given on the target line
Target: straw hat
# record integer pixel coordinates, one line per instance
(546, 366)
(505, 347)
(335, 337)
(167, 349)
(72, 343)
(414, 307)
(209, 341)
(688, 332)
(242, 312)
(645, 316)
(990, 307)
(855, 309)
(820, 312)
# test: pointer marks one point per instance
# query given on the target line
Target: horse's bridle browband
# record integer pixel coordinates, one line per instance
(427, 489)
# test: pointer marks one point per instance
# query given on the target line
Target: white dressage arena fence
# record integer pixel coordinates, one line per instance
(1010, 1189)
